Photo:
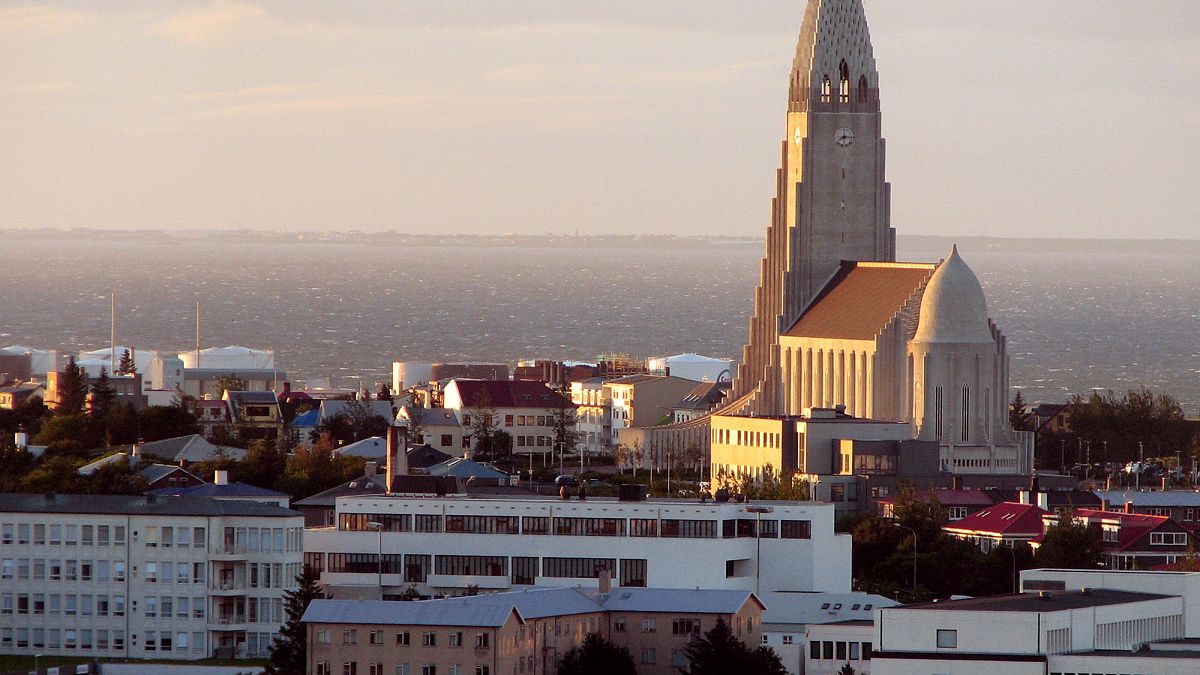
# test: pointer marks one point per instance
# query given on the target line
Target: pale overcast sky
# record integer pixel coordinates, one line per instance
(1020, 118)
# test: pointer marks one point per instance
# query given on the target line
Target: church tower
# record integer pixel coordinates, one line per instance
(831, 203)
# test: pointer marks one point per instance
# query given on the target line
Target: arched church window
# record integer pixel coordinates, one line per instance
(844, 82)
(864, 91)
(826, 91)
(937, 413)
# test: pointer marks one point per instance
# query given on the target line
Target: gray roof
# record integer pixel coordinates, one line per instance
(448, 612)
(1118, 498)
(215, 490)
(677, 600)
(1035, 602)
(193, 448)
(252, 396)
(363, 485)
(815, 608)
(464, 468)
(437, 417)
(136, 505)
(159, 471)
(538, 603)
(375, 446)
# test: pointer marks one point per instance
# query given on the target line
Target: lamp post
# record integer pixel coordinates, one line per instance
(758, 511)
(378, 527)
(36, 658)
(914, 534)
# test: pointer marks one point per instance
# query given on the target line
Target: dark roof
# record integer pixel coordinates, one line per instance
(215, 490)
(252, 396)
(704, 396)
(425, 456)
(510, 394)
(861, 299)
(364, 485)
(1041, 602)
(156, 472)
(136, 505)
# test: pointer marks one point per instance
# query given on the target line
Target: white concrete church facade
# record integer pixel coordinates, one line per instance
(837, 321)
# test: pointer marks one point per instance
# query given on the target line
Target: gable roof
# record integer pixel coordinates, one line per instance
(426, 456)
(860, 300)
(331, 407)
(537, 603)
(509, 394)
(704, 396)
(1009, 519)
(447, 612)
(192, 448)
(363, 485)
(375, 446)
(156, 472)
(434, 417)
(465, 468)
(216, 490)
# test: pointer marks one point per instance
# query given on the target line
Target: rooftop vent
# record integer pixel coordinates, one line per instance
(1044, 595)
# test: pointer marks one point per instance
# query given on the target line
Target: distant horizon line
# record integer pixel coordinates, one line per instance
(299, 236)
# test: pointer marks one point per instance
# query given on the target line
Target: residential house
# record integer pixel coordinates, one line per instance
(221, 488)
(440, 428)
(794, 620)
(593, 416)
(700, 401)
(1182, 506)
(14, 395)
(1002, 524)
(185, 450)
(1132, 540)
(255, 414)
(524, 409)
(643, 400)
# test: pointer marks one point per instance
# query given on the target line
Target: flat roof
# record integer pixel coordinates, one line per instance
(138, 505)
(1041, 602)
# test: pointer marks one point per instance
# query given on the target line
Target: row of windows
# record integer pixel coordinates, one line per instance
(324, 636)
(839, 651)
(181, 537)
(41, 534)
(514, 420)
(377, 668)
(40, 569)
(166, 641)
(524, 570)
(54, 638)
(263, 540)
(572, 526)
(71, 604)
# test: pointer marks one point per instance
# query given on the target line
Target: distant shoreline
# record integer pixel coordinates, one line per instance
(405, 239)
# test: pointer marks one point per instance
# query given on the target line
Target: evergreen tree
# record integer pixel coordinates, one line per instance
(847, 669)
(289, 650)
(72, 389)
(719, 652)
(103, 395)
(126, 365)
(597, 656)
(1019, 417)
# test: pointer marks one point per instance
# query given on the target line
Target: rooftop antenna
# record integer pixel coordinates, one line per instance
(197, 333)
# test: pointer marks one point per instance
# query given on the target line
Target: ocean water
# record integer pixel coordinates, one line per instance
(1078, 316)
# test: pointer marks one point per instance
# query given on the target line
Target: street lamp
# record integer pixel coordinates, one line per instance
(378, 527)
(914, 534)
(36, 658)
(758, 511)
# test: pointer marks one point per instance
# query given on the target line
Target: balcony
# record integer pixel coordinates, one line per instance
(230, 588)
(226, 622)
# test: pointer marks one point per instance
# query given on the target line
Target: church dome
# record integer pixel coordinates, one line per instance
(953, 307)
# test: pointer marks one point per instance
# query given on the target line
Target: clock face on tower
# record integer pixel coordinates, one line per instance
(844, 136)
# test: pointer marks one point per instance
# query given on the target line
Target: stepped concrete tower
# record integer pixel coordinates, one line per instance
(831, 203)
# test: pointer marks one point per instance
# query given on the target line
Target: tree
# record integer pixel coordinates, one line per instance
(719, 652)
(597, 656)
(262, 465)
(491, 442)
(415, 413)
(563, 421)
(103, 395)
(847, 669)
(1019, 417)
(157, 422)
(126, 366)
(289, 650)
(72, 389)
(229, 382)
(1069, 545)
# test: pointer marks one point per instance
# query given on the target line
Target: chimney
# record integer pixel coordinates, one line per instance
(1129, 506)
(21, 438)
(956, 482)
(221, 478)
(397, 458)
(136, 452)
(1023, 497)
(1166, 485)
(1043, 501)
(605, 581)
(371, 468)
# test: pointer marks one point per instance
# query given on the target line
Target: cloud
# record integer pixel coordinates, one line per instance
(34, 21)
(203, 25)
(261, 91)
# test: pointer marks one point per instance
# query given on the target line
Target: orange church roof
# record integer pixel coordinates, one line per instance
(860, 299)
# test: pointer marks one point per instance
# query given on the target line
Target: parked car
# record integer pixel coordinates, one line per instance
(570, 480)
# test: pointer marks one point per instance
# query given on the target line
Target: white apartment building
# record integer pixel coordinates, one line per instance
(593, 415)
(144, 576)
(443, 545)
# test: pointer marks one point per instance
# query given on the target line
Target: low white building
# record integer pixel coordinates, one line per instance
(442, 546)
(144, 577)
(1183, 584)
(829, 647)
(792, 621)
(1080, 631)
